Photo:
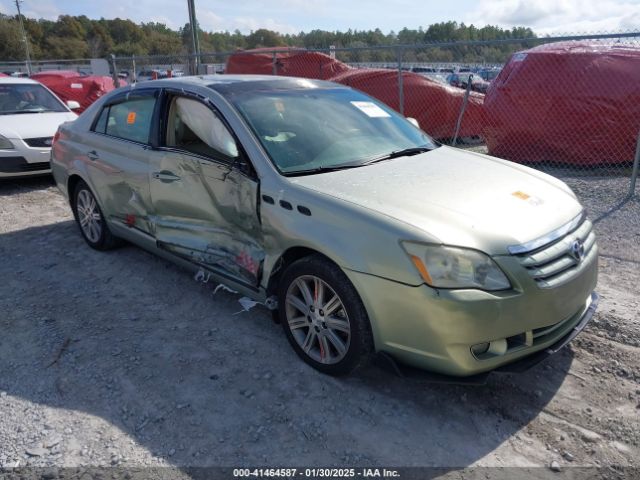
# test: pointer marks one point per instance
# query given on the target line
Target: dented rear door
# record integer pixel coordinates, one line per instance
(117, 155)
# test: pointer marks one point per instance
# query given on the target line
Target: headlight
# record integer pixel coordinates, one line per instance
(451, 267)
(5, 143)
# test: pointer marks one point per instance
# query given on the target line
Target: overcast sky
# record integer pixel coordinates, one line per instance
(292, 16)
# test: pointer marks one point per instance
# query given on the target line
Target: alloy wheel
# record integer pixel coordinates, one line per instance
(89, 215)
(317, 319)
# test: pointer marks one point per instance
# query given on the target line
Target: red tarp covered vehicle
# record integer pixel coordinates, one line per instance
(48, 74)
(436, 106)
(570, 102)
(83, 89)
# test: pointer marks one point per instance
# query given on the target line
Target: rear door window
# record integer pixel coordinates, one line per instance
(129, 120)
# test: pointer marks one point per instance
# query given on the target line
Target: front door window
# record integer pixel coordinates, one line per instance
(194, 127)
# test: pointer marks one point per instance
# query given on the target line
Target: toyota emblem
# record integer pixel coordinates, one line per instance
(577, 249)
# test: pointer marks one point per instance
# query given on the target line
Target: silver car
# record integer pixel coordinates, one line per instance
(362, 233)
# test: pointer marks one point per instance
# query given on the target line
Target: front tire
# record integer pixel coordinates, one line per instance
(90, 219)
(323, 316)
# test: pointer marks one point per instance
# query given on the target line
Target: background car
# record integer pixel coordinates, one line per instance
(29, 117)
(488, 74)
(154, 74)
(460, 80)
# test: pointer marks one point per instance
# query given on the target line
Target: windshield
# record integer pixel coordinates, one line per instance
(319, 129)
(16, 98)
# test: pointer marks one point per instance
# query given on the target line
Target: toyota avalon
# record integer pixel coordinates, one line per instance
(363, 234)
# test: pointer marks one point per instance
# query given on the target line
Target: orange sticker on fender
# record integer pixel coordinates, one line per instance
(530, 199)
(520, 195)
(131, 118)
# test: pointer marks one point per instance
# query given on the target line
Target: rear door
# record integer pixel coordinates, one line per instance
(204, 191)
(118, 157)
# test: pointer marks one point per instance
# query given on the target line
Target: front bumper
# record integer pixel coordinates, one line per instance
(519, 366)
(435, 329)
(24, 160)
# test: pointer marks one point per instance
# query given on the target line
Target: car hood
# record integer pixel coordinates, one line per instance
(33, 125)
(456, 197)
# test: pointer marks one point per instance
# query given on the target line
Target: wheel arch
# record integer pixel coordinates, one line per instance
(289, 256)
(72, 183)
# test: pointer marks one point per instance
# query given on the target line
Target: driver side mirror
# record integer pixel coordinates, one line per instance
(413, 122)
(73, 105)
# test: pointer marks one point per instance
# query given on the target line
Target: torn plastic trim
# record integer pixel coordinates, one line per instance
(247, 304)
(224, 288)
(244, 266)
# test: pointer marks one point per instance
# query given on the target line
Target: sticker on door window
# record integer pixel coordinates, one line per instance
(370, 109)
(131, 118)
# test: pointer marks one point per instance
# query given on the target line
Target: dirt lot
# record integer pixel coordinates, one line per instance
(120, 358)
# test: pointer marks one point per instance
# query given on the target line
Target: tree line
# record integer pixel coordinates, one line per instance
(72, 37)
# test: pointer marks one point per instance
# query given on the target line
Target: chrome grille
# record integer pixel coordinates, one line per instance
(556, 263)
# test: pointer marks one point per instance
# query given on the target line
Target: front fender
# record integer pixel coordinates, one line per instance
(353, 237)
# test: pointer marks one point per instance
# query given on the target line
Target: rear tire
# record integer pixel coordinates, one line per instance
(90, 220)
(323, 316)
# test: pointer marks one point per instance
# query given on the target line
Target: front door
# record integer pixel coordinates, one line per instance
(205, 208)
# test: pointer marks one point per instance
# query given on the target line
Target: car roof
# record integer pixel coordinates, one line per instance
(235, 83)
(18, 80)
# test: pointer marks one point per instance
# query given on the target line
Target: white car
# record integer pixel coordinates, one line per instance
(29, 118)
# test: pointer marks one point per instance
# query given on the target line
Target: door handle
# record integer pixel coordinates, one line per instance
(92, 155)
(165, 176)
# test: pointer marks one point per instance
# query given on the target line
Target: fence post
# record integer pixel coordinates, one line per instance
(134, 76)
(634, 173)
(400, 81)
(274, 62)
(464, 107)
(116, 80)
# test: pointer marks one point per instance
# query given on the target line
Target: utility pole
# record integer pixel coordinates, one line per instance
(24, 37)
(195, 42)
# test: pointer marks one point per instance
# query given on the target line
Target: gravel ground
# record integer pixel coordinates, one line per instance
(120, 358)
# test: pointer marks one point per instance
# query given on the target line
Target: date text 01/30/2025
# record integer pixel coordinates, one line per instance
(316, 472)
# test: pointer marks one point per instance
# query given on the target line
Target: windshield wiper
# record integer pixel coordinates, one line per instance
(406, 152)
(312, 171)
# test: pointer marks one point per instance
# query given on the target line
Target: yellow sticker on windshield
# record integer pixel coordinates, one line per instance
(131, 118)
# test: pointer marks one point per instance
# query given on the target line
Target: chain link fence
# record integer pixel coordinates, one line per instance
(81, 65)
(567, 105)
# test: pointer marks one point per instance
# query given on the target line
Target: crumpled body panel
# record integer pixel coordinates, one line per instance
(70, 86)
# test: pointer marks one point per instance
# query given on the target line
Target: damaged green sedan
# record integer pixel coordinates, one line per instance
(364, 234)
